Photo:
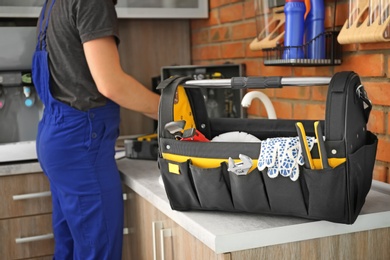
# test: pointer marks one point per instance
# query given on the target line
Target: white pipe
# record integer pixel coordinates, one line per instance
(247, 100)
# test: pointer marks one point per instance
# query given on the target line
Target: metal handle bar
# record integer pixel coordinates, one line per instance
(258, 82)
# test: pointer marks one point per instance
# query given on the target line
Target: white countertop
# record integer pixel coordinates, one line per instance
(228, 232)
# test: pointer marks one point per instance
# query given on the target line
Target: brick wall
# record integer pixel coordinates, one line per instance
(225, 37)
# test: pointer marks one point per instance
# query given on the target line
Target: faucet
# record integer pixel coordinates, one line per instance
(247, 100)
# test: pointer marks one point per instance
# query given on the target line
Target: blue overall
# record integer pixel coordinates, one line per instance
(76, 151)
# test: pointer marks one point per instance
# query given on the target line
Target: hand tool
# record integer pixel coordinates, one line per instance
(175, 128)
(147, 137)
(240, 168)
(193, 134)
(321, 145)
(304, 145)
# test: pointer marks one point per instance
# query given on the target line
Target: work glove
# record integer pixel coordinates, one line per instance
(282, 155)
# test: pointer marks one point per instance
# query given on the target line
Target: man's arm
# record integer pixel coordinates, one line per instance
(104, 63)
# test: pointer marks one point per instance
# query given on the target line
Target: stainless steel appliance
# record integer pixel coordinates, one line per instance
(20, 107)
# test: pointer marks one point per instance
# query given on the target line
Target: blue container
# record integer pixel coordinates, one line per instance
(294, 11)
(314, 30)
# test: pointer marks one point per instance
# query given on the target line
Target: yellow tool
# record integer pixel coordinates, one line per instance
(147, 137)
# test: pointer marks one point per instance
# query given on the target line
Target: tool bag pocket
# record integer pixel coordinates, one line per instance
(179, 184)
(249, 192)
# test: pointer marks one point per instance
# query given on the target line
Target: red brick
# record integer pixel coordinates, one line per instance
(283, 109)
(244, 31)
(200, 37)
(349, 48)
(380, 173)
(376, 122)
(378, 92)
(293, 92)
(220, 34)
(366, 65)
(388, 124)
(268, 71)
(206, 52)
(374, 46)
(309, 111)
(232, 50)
(319, 93)
(322, 71)
(231, 13)
(388, 68)
(341, 14)
(383, 150)
(205, 23)
(249, 9)
(253, 67)
(218, 3)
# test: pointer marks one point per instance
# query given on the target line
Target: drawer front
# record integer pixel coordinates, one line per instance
(25, 194)
(27, 237)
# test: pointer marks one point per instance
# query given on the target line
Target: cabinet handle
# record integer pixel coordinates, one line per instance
(155, 226)
(164, 233)
(31, 195)
(21, 240)
(41, 195)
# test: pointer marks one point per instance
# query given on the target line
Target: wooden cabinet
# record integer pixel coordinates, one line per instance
(25, 217)
(155, 236)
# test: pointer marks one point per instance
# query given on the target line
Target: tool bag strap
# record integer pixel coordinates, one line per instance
(347, 111)
(168, 89)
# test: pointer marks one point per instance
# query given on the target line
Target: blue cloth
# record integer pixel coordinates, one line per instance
(76, 151)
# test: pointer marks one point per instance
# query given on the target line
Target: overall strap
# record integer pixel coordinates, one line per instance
(41, 42)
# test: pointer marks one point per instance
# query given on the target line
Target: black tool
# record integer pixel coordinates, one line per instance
(321, 145)
(305, 147)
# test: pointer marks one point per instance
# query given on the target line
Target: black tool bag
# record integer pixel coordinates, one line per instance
(198, 175)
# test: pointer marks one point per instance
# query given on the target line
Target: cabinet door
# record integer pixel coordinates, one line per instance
(25, 194)
(27, 237)
(156, 236)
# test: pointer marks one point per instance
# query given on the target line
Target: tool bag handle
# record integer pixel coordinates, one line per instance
(258, 82)
(168, 89)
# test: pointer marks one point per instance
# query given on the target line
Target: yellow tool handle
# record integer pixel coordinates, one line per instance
(147, 137)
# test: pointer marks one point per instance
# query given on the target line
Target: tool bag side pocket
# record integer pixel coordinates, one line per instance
(179, 184)
(327, 191)
(360, 168)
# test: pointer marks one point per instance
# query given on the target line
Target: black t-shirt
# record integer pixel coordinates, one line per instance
(72, 23)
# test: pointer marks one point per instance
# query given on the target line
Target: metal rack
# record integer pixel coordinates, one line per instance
(273, 56)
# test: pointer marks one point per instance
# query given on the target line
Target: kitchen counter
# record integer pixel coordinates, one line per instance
(19, 168)
(228, 232)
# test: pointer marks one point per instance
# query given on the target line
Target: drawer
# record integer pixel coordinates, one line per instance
(25, 194)
(28, 237)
